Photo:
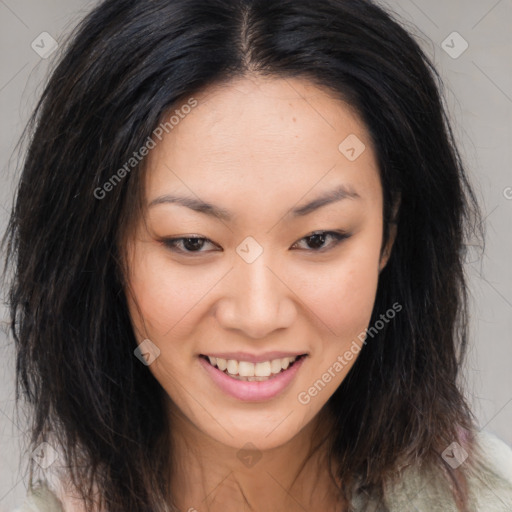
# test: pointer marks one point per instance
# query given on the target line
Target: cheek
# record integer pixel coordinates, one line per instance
(159, 302)
(342, 294)
(164, 297)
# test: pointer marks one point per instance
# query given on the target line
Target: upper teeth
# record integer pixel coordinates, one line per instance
(247, 369)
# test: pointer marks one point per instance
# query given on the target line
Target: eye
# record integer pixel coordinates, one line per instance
(186, 245)
(317, 240)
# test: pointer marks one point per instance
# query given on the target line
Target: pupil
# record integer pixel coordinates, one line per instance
(318, 238)
(192, 244)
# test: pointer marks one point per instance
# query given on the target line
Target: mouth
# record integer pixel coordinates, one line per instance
(250, 381)
(252, 372)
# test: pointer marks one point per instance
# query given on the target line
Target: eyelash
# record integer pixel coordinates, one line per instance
(338, 236)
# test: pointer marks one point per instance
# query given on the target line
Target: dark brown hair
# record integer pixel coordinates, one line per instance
(126, 65)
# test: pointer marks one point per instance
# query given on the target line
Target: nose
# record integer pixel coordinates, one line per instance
(257, 300)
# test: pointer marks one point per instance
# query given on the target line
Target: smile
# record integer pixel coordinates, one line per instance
(249, 381)
(251, 372)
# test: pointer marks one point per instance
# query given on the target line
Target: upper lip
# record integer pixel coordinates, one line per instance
(254, 358)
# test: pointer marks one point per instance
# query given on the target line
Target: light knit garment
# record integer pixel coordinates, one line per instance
(489, 486)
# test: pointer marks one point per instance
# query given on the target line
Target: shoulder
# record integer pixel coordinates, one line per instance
(55, 494)
(488, 471)
(50, 499)
(42, 499)
(496, 453)
(490, 475)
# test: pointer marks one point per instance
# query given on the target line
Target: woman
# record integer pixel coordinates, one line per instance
(238, 278)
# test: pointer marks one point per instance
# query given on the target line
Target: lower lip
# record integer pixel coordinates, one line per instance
(252, 391)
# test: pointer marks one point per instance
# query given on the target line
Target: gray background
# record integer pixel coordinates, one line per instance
(479, 96)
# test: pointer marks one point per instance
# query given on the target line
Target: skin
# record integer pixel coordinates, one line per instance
(257, 147)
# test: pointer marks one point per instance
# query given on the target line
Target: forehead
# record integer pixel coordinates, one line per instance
(263, 136)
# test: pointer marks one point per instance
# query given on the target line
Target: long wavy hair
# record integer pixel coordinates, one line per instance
(124, 68)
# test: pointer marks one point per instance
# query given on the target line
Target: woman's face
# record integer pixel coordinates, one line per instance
(257, 287)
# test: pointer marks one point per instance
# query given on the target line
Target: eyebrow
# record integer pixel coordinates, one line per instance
(332, 196)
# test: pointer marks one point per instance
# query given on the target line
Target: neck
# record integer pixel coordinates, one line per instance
(208, 475)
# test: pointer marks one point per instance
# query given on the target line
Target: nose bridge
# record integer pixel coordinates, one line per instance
(260, 301)
(258, 284)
